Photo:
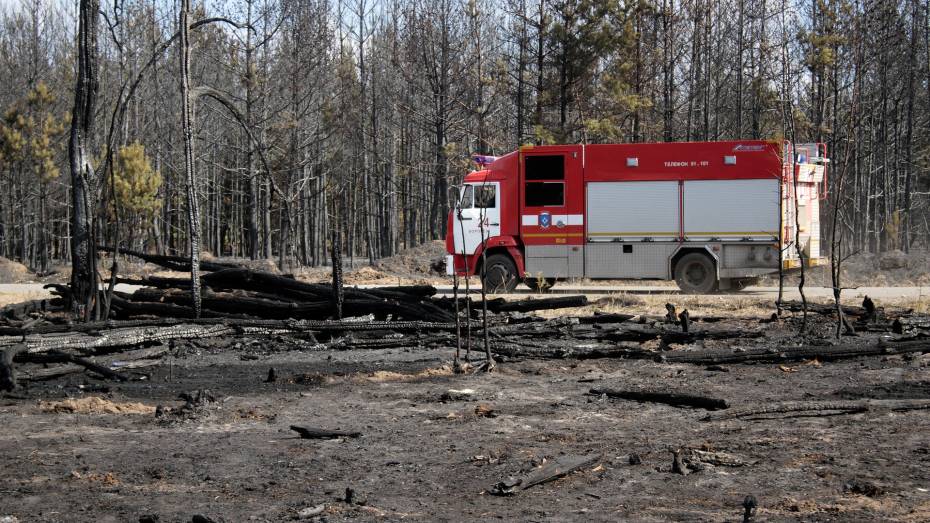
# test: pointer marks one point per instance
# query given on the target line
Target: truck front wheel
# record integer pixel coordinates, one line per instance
(695, 274)
(500, 274)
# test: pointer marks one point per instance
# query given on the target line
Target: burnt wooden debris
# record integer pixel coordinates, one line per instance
(825, 406)
(669, 398)
(240, 302)
(551, 470)
(316, 433)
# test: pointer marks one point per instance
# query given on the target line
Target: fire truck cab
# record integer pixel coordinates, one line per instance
(710, 215)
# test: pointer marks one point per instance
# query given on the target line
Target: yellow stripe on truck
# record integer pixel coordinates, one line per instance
(632, 234)
(690, 233)
(553, 235)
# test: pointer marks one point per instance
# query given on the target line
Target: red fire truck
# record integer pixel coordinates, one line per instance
(710, 215)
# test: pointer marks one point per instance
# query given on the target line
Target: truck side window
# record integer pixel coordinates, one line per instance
(545, 194)
(544, 167)
(466, 199)
(485, 197)
(544, 175)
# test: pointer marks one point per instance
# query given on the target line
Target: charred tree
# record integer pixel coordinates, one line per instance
(81, 154)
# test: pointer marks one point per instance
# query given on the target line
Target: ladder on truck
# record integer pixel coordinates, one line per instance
(804, 187)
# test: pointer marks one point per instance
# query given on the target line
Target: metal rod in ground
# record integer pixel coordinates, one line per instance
(458, 209)
(455, 296)
(489, 359)
(458, 319)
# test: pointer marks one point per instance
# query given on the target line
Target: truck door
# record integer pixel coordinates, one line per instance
(551, 218)
(479, 209)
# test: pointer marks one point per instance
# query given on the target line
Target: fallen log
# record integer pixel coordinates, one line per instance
(604, 317)
(57, 356)
(822, 353)
(315, 433)
(134, 359)
(825, 309)
(560, 302)
(160, 282)
(839, 406)
(174, 263)
(552, 469)
(558, 351)
(669, 398)
(21, 310)
(89, 337)
(121, 308)
(246, 279)
(126, 337)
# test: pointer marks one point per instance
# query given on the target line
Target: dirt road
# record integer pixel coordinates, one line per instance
(790, 293)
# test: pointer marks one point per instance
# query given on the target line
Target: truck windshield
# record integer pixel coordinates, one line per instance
(485, 197)
(480, 197)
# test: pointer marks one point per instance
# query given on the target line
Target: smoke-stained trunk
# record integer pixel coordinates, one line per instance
(80, 156)
(187, 124)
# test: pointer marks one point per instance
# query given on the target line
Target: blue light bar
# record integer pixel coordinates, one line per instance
(483, 160)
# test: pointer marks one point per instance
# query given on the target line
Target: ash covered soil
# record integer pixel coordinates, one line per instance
(79, 449)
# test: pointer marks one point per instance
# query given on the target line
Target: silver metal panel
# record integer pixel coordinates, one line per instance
(548, 261)
(762, 255)
(576, 261)
(547, 251)
(602, 260)
(730, 209)
(547, 267)
(632, 210)
(647, 260)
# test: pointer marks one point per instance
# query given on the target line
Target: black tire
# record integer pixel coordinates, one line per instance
(500, 274)
(695, 274)
(534, 283)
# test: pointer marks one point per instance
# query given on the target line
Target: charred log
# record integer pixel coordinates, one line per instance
(173, 263)
(668, 398)
(314, 433)
(840, 406)
(553, 469)
(560, 302)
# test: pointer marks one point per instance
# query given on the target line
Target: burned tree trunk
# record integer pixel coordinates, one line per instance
(80, 155)
(187, 123)
(338, 294)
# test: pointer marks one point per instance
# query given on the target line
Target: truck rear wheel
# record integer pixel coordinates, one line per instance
(500, 274)
(695, 274)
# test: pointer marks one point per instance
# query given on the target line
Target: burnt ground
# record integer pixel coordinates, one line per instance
(425, 458)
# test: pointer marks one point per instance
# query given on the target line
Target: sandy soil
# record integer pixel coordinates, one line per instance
(425, 458)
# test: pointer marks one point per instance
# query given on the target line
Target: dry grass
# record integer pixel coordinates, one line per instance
(19, 296)
(920, 304)
(386, 376)
(13, 272)
(94, 405)
(654, 304)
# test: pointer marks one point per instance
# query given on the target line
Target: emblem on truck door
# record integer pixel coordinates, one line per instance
(545, 220)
